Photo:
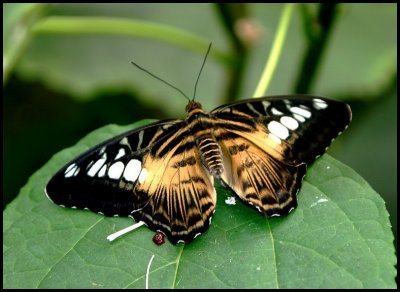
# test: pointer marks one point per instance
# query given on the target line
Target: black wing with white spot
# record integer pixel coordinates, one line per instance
(303, 125)
(103, 179)
(153, 174)
(267, 143)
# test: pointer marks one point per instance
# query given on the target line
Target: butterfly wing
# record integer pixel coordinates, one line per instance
(103, 178)
(153, 174)
(183, 197)
(260, 179)
(267, 142)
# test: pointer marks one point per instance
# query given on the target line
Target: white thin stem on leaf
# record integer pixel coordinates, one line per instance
(148, 271)
(123, 231)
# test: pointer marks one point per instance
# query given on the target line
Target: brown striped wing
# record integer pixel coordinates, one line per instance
(153, 173)
(268, 142)
(182, 196)
(102, 179)
(260, 179)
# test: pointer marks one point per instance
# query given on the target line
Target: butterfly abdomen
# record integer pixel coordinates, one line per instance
(201, 127)
(211, 154)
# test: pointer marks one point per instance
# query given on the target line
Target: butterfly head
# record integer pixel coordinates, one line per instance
(193, 106)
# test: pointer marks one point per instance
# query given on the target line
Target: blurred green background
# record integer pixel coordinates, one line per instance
(62, 81)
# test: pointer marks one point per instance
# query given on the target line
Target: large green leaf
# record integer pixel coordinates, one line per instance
(339, 236)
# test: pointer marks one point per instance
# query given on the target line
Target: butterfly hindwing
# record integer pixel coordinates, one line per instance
(183, 197)
(258, 178)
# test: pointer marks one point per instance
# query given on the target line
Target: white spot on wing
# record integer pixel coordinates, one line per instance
(97, 165)
(319, 103)
(102, 171)
(121, 153)
(115, 171)
(166, 126)
(132, 170)
(266, 105)
(300, 111)
(90, 164)
(143, 175)
(124, 141)
(301, 119)
(276, 112)
(278, 130)
(71, 170)
(140, 139)
(289, 122)
(102, 150)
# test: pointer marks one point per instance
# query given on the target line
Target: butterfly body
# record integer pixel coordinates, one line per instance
(163, 174)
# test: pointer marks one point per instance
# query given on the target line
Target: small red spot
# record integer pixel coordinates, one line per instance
(159, 238)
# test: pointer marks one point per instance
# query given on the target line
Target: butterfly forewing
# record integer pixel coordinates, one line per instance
(270, 141)
(102, 179)
(296, 128)
(163, 174)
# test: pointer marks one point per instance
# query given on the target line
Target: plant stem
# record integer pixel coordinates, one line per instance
(128, 27)
(276, 50)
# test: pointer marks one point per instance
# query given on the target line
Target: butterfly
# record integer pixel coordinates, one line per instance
(163, 174)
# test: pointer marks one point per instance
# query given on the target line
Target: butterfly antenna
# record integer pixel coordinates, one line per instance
(162, 80)
(201, 69)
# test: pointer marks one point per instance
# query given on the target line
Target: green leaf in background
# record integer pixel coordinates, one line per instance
(338, 237)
